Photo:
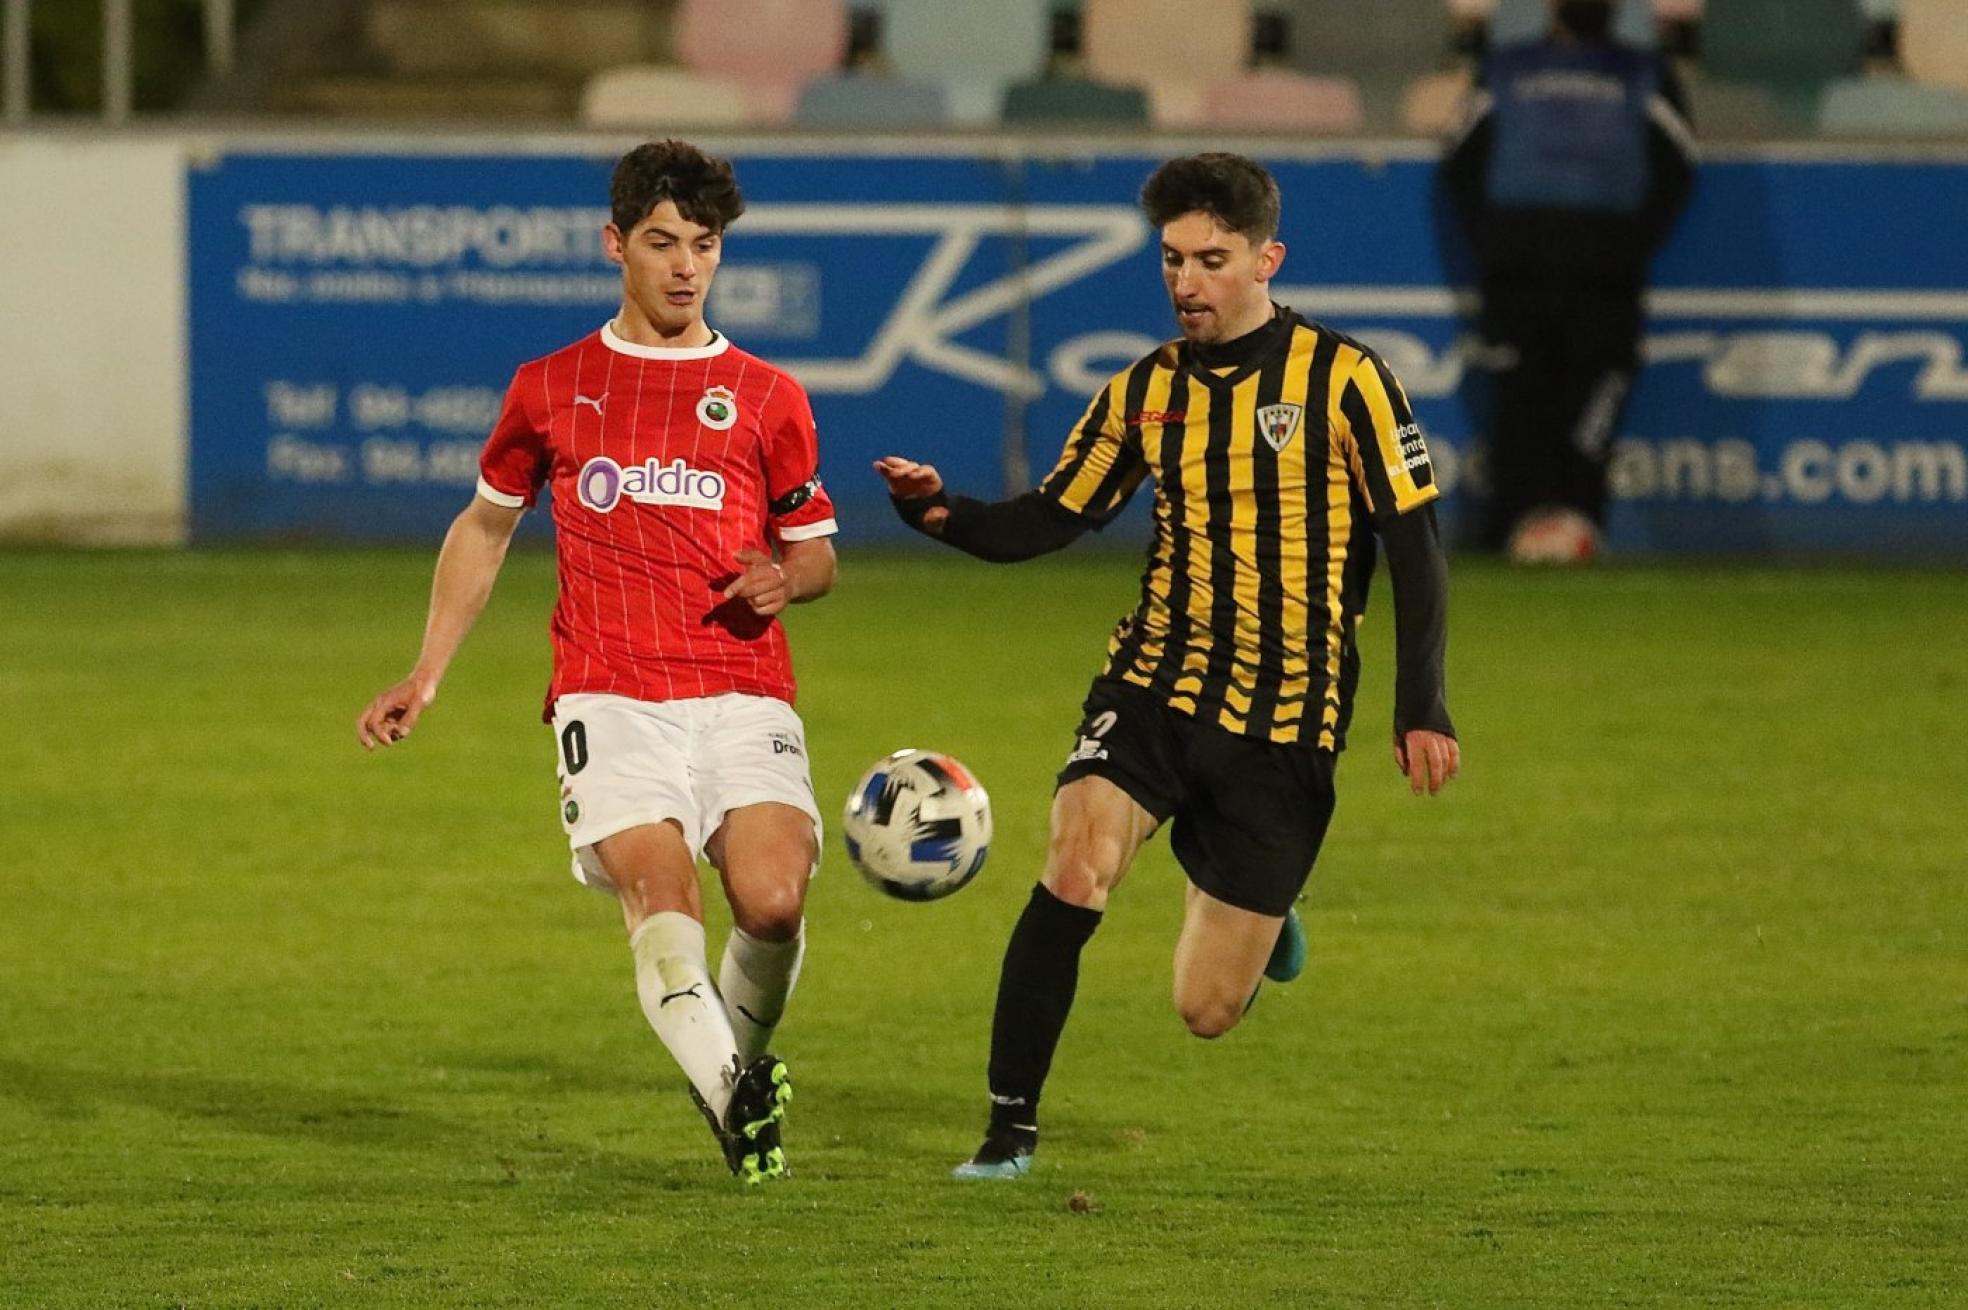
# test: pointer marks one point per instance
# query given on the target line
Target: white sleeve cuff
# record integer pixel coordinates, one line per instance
(498, 497)
(808, 531)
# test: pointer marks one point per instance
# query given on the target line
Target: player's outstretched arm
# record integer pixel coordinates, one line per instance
(917, 490)
(467, 566)
(1001, 532)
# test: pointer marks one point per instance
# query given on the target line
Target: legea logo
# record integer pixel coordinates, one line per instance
(603, 483)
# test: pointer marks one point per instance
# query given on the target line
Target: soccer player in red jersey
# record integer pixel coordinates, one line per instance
(688, 512)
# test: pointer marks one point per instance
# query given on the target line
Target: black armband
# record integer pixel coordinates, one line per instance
(793, 499)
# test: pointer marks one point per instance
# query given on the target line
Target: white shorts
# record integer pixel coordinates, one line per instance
(626, 762)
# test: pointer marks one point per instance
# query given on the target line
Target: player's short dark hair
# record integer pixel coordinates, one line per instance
(703, 186)
(1236, 191)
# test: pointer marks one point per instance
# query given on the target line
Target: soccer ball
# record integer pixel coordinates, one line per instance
(918, 826)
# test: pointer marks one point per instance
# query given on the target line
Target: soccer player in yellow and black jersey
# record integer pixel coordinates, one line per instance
(1279, 451)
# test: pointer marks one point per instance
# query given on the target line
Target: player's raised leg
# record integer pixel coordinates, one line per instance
(1096, 830)
(655, 878)
(1221, 954)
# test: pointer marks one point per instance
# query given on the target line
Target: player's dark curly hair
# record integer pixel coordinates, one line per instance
(703, 186)
(1236, 191)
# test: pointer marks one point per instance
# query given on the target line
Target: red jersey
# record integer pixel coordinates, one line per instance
(665, 462)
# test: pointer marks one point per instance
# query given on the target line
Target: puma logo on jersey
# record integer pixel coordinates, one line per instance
(602, 484)
(594, 401)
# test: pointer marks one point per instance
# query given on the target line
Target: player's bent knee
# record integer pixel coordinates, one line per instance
(1209, 1017)
(771, 910)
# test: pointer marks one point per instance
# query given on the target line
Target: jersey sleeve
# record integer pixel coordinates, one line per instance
(1102, 464)
(514, 464)
(797, 505)
(1384, 445)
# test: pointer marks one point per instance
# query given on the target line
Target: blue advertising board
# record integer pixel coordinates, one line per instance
(355, 317)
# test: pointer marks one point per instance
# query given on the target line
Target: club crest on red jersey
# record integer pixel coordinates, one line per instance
(718, 408)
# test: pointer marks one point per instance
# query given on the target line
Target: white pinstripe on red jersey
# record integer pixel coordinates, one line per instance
(650, 513)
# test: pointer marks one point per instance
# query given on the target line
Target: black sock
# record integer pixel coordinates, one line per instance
(1035, 992)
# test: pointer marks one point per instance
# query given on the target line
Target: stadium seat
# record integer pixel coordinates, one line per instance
(650, 96)
(1380, 46)
(1075, 101)
(1792, 47)
(1527, 20)
(1163, 46)
(1885, 107)
(858, 100)
(1367, 40)
(974, 50)
(772, 47)
(1934, 42)
(1433, 103)
(1744, 110)
(1278, 100)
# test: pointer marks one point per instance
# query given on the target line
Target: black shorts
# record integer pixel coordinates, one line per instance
(1249, 814)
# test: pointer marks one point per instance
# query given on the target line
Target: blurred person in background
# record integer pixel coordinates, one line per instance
(1574, 160)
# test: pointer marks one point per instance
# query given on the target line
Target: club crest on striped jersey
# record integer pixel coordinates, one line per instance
(1279, 423)
(718, 408)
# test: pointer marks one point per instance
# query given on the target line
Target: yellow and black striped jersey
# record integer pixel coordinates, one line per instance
(1270, 471)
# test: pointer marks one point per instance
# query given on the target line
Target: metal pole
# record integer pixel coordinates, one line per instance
(219, 21)
(19, 72)
(118, 64)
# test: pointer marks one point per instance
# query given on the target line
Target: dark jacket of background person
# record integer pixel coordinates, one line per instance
(1574, 162)
(1576, 159)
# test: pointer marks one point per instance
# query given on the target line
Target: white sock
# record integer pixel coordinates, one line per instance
(674, 983)
(757, 979)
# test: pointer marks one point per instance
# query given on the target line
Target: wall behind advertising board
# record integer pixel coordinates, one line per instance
(92, 335)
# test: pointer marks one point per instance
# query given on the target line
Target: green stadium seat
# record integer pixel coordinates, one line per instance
(859, 100)
(1746, 110)
(1889, 107)
(1793, 47)
(974, 50)
(1075, 100)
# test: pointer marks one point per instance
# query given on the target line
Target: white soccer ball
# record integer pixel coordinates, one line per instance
(917, 825)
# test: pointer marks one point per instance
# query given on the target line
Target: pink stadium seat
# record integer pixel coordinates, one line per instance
(772, 46)
(1277, 100)
(1146, 42)
(1934, 42)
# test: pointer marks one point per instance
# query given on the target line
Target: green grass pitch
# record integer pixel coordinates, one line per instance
(1664, 1003)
